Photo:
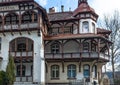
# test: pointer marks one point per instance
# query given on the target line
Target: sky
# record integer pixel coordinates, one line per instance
(101, 7)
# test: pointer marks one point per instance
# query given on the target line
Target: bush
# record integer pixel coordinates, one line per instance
(3, 78)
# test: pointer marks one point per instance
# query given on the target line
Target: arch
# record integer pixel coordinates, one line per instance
(55, 71)
(21, 69)
(21, 44)
(49, 44)
(11, 18)
(71, 71)
(86, 70)
(29, 17)
(72, 45)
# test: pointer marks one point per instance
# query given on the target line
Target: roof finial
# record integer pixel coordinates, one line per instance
(81, 1)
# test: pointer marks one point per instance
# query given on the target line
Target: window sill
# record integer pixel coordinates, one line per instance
(55, 78)
(71, 78)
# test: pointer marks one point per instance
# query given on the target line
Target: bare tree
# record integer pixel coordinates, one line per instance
(112, 23)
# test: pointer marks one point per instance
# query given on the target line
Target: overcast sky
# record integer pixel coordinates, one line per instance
(101, 6)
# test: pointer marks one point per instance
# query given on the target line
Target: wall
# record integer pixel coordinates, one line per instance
(63, 75)
(38, 52)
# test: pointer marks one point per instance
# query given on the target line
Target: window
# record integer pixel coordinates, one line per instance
(55, 71)
(93, 47)
(11, 19)
(93, 27)
(21, 69)
(85, 27)
(94, 71)
(29, 17)
(86, 71)
(85, 46)
(55, 48)
(21, 47)
(71, 71)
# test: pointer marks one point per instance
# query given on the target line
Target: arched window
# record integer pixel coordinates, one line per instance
(21, 69)
(29, 17)
(71, 71)
(55, 71)
(86, 71)
(85, 27)
(94, 71)
(55, 48)
(85, 46)
(21, 44)
(11, 19)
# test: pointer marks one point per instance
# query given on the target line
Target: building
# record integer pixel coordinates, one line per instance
(22, 26)
(58, 48)
(75, 49)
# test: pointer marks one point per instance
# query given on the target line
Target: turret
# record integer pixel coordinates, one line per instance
(88, 17)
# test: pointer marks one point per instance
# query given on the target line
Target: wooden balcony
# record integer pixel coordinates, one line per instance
(15, 27)
(81, 55)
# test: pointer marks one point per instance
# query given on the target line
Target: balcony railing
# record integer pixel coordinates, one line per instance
(76, 55)
(19, 54)
(24, 79)
(22, 26)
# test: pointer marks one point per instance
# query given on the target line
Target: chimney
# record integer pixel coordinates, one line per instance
(52, 10)
(62, 8)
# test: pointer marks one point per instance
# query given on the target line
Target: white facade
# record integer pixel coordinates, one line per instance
(38, 58)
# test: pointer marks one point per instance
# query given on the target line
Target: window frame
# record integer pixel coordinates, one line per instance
(85, 27)
(55, 73)
(86, 71)
(55, 48)
(18, 73)
(71, 71)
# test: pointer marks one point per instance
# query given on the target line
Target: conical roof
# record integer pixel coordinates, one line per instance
(84, 8)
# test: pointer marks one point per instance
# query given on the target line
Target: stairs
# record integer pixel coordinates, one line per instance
(24, 83)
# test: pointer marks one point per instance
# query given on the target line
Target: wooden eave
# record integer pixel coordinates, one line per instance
(14, 2)
(75, 36)
(64, 20)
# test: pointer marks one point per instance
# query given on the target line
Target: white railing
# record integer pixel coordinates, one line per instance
(22, 26)
(24, 79)
(76, 55)
(19, 54)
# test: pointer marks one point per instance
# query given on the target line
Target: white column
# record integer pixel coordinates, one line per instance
(38, 63)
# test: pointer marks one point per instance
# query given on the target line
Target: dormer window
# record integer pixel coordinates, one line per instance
(85, 27)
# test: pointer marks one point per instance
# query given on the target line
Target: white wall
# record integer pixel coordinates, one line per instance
(38, 48)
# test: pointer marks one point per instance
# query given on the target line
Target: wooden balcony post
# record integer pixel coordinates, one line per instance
(98, 48)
